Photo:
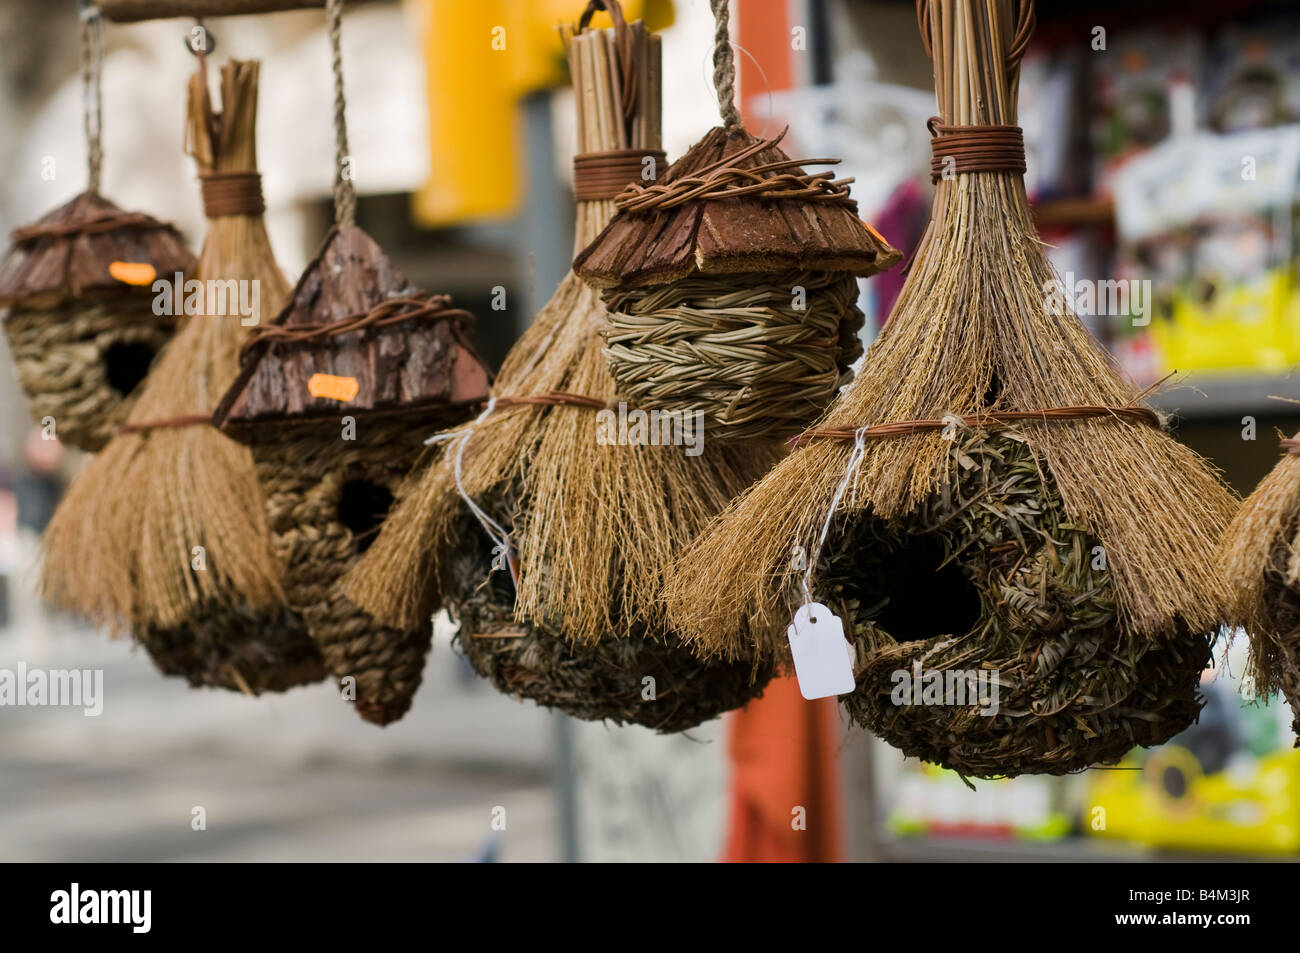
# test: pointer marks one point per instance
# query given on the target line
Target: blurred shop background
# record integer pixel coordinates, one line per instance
(1164, 142)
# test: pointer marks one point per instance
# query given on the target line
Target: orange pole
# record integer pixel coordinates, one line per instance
(785, 791)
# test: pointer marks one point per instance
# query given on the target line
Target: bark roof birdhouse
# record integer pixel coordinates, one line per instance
(734, 203)
(88, 245)
(355, 338)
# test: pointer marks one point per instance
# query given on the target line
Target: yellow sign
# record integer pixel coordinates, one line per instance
(480, 59)
(332, 388)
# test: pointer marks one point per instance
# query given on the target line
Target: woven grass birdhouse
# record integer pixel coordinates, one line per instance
(334, 399)
(1259, 557)
(164, 531)
(544, 542)
(731, 283)
(989, 505)
(76, 292)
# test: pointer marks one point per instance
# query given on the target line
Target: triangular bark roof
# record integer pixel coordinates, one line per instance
(731, 235)
(398, 368)
(90, 233)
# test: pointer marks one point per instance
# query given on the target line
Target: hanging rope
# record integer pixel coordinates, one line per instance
(345, 196)
(92, 99)
(724, 66)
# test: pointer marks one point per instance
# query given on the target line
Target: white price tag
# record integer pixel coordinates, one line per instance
(823, 661)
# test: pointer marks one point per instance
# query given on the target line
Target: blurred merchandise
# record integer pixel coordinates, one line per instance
(1147, 97)
(1053, 114)
(1231, 782)
(933, 801)
(1210, 221)
(1253, 81)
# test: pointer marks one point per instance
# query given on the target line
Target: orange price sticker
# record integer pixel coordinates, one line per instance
(331, 387)
(133, 272)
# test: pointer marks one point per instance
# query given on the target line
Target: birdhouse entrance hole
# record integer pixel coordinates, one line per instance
(925, 598)
(125, 365)
(363, 506)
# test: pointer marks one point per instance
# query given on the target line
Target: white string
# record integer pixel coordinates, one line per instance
(855, 460)
(499, 535)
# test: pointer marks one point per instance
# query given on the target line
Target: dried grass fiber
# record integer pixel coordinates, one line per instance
(120, 547)
(973, 331)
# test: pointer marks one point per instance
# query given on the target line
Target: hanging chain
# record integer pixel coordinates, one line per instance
(345, 195)
(92, 100)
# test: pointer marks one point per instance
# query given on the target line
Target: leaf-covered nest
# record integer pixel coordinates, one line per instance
(644, 678)
(989, 575)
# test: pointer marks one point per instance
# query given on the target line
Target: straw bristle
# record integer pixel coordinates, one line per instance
(972, 330)
(599, 523)
(121, 548)
(1259, 557)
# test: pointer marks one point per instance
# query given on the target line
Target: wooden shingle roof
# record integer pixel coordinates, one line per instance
(409, 366)
(731, 235)
(69, 251)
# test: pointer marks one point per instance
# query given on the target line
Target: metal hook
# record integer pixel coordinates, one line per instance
(200, 40)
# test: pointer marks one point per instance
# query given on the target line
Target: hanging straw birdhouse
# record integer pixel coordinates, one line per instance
(1018, 555)
(1259, 557)
(77, 291)
(543, 535)
(335, 398)
(731, 283)
(164, 532)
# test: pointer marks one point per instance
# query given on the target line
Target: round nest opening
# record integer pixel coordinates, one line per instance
(986, 630)
(81, 362)
(643, 678)
(760, 355)
(363, 507)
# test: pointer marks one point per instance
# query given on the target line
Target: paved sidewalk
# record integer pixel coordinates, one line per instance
(290, 777)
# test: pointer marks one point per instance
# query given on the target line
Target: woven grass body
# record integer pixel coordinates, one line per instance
(1260, 558)
(753, 356)
(974, 332)
(325, 502)
(83, 340)
(164, 531)
(595, 524)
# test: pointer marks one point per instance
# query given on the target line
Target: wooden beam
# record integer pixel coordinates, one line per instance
(133, 11)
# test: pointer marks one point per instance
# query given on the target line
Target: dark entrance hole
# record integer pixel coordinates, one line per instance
(126, 363)
(924, 600)
(362, 508)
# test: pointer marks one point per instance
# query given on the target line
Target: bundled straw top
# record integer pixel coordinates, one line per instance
(68, 252)
(734, 203)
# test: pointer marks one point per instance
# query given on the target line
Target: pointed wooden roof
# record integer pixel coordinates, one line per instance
(405, 366)
(69, 252)
(731, 235)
